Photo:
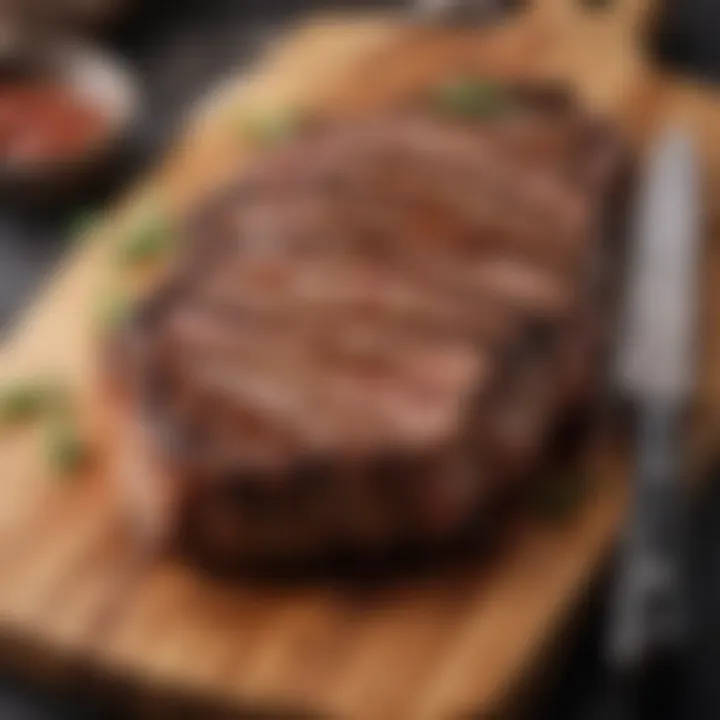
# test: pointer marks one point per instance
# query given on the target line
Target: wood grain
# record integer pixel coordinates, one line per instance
(435, 647)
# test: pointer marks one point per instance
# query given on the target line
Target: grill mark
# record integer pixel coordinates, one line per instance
(453, 160)
(489, 225)
(496, 296)
(409, 366)
(448, 318)
(453, 255)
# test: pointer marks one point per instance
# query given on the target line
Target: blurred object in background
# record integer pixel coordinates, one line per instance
(86, 13)
(62, 117)
(65, 106)
(687, 36)
(29, 28)
(68, 14)
(462, 10)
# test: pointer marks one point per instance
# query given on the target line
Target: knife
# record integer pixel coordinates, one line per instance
(461, 11)
(648, 632)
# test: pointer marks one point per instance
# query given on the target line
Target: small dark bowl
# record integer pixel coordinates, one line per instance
(103, 82)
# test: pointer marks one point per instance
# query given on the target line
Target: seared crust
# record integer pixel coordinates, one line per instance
(370, 339)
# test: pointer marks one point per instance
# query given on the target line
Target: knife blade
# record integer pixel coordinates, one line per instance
(657, 348)
(648, 630)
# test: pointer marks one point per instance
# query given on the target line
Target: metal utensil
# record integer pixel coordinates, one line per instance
(647, 635)
(452, 11)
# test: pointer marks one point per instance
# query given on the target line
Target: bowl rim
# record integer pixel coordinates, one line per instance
(103, 80)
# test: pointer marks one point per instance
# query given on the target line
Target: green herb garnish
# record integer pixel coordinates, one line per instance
(21, 403)
(147, 240)
(274, 129)
(471, 99)
(66, 450)
(26, 400)
(30, 400)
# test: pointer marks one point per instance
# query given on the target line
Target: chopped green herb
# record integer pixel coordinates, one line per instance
(471, 99)
(274, 129)
(67, 452)
(21, 402)
(25, 400)
(146, 241)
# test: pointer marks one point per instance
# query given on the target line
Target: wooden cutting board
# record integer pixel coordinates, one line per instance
(432, 647)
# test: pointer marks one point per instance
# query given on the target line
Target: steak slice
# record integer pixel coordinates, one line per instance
(369, 340)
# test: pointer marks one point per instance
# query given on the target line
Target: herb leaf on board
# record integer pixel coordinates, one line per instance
(470, 99)
(66, 449)
(274, 129)
(147, 240)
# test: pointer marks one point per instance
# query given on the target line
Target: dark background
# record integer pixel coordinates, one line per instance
(178, 48)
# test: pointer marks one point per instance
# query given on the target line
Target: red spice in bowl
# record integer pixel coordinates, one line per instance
(43, 122)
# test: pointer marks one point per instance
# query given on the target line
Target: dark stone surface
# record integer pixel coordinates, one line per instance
(178, 48)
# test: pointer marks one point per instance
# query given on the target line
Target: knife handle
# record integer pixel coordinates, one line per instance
(648, 631)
